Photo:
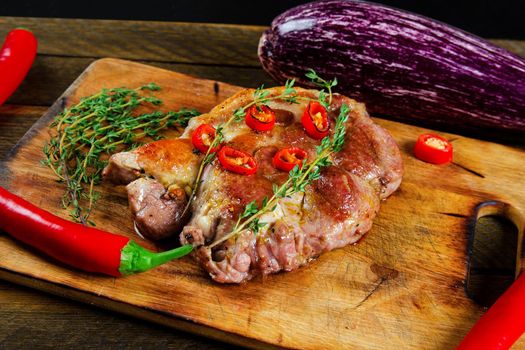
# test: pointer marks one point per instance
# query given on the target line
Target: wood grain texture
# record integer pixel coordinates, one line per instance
(51, 75)
(31, 319)
(17, 120)
(516, 46)
(400, 287)
(216, 44)
(493, 259)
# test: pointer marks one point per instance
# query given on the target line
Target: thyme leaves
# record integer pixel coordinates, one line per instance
(98, 125)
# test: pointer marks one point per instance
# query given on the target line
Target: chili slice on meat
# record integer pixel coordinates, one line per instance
(433, 149)
(315, 121)
(287, 158)
(237, 161)
(202, 138)
(260, 118)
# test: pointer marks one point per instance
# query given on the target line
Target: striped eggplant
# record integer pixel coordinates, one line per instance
(401, 64)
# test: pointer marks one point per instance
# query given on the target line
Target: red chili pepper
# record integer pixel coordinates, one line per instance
(433, 149)
(287, 158)
(315, 121)
(502, 324)
(16, 57)
(202, 138)
(260, 118)
(83, 247)
(237, 161)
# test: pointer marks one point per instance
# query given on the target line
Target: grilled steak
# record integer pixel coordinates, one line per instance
(158, 212)
(334, 211)
(156, 203)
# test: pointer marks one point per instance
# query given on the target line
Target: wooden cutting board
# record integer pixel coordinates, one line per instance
(401, 287)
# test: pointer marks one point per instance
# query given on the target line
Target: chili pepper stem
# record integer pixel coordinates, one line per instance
(135, 258)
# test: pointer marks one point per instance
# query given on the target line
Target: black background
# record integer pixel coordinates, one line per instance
(490, 19)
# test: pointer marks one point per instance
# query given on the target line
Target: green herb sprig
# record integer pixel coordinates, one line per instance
(101, 124)
(324, 84)
(298, 179)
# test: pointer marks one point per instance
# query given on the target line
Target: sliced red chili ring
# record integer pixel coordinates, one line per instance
(433, 149)
(315, 120)
(237, 161)
(287, 158)
(260, 118)
(202, 138)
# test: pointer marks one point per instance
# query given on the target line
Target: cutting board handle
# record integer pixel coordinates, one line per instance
(497, 208)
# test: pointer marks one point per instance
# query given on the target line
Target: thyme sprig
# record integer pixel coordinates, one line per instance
(324, 84)
(97, 125)
(298, 179)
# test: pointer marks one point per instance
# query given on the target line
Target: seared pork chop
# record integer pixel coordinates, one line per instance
(157, 203)
(334, 211)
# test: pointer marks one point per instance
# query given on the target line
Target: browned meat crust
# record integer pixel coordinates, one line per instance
(334, 211)
(156, 202)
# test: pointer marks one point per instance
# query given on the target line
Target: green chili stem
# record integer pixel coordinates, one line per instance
(135, 258)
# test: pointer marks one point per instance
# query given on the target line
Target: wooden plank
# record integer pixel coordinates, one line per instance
(51, 75)
(216, 44)
(30, 318)
(493, 260)
(129, 310)
(516, 46)
(16, 120)
(401, 287)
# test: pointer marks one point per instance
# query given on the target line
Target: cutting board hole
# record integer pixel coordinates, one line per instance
(492, 258)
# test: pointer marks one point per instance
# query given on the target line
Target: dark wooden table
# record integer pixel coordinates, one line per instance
(29, 318)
